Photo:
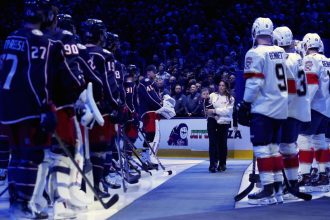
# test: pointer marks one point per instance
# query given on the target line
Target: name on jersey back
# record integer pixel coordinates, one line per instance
(275, 55)
(14, 44)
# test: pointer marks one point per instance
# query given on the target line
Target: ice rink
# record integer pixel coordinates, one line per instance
(194, 193)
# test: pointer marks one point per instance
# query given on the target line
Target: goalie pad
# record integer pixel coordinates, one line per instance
(78, 197)
(59, 179)
(155, 142)
(37, 200)
(168, 107)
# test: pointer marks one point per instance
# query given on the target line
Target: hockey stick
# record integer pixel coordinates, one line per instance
(105, 205)
(88, 166)
(295, 192)
(4, 191)
(253, 179)
(143, 166)
(169, 172)
(121, 164)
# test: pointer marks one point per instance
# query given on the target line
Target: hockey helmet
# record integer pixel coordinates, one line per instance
(94, 30)
(38, 11)
(321, 48)
(65, 22)
(311, 40)
(132, 70)
(282, 36)
(262, 26)
(112, 41)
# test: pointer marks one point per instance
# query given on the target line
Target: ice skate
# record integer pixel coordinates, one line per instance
(305, 184)
(22, 210)
(288, 196)
(321, 184)
(145, 156)
(62, 211)
(112, 181)
(263, 197)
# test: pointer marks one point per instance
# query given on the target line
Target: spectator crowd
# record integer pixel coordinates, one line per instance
(193, 43)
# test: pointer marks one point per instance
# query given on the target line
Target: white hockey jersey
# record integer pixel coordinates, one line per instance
(299, 105)
(266, 84)
(317, 70)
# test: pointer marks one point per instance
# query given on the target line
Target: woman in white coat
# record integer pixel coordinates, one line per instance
(219, 111)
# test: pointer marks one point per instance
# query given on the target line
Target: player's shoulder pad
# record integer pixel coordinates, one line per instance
(65, 32)
(37, 32)
(80, 46)
(253, 52)
(106, 51)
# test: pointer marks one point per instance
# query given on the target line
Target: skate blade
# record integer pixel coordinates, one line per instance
(325, 188)
(306, 189)
(262, 202)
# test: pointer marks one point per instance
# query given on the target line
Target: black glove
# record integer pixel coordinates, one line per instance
(244, 113)
(48, 120)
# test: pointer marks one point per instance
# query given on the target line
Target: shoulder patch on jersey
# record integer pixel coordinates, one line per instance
(37, 32)
(146, 79)
(248, 62)
(308, 65)
(67, 32)
(106, 51)
(80, 46)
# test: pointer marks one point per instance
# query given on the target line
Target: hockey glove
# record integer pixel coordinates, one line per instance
(244, 113)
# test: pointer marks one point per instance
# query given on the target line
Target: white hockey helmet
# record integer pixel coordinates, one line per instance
(262, 26)
(311, 40)
(282, 36)
(321, 48)
(299, 48)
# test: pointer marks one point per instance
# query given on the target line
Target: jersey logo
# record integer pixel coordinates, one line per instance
(308, 65)
(248, 62)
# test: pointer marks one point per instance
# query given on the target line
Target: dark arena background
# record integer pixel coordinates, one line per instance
(188, 43)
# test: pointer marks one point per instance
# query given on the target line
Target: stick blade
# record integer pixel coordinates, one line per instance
(111, 202)
(244, 193)
(300, 195)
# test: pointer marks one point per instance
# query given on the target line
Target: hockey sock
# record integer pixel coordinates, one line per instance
(4, 152)
(321, 151)
(98, 163)
(306, 153)
(108, 164)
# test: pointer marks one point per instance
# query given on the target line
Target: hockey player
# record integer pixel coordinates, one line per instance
(131, 126)
(266, 97)
(29, 62)
(298, 104)
(66, 90)
(316, 67)
(94, 35)
(149, 102)
(118, 70)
